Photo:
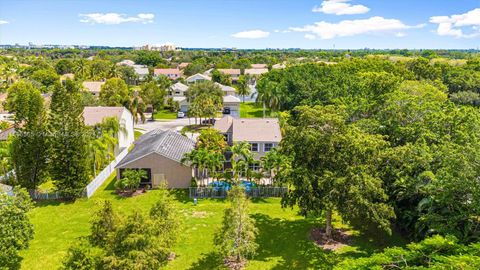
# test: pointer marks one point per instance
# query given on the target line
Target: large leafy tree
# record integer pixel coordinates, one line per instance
(29, 146)
(153, 95)
(17, 229)
(69, 157)
(334, 168)
(205, 99)
(114, 93)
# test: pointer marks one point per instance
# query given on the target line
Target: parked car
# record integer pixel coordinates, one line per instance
(180, 115)
(210, 121)
(226, 110)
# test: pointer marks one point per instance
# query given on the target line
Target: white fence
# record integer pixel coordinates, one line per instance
(104, 174)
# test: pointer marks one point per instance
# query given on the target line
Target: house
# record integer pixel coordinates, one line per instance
(262, 134)
(279, 66)
(198, 77)
(233, 73)
(95, 115)
(93, 87)
(227, 90)
(141, 70)
(64, 77)
(232, 103)
(177, 90)
(171, 73)
(259, 66)
(183, 65)
(160, 153)
(256, 71)
(4, 134)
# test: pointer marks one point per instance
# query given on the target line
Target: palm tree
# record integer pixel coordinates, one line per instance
(137, 107)
(241, 159)
(114, 72)
(81, 68)
(269, 95)
(214, 162)
(242, 86)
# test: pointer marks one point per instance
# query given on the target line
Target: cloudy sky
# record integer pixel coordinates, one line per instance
(244, 23)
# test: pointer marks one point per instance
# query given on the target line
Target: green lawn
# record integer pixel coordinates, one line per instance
(252, 110)
(165, 114)
(283, 235)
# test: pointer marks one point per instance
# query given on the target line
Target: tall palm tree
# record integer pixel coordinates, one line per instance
(242, 86)
(241, 159)
(81, 68)
(269, 95)
(114, 72)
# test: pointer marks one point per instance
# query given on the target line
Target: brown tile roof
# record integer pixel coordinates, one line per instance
(259, 66)
(230, 71)
(93, 87)
(95, 115)
(167, 71)
(224, 125)
(183, 65)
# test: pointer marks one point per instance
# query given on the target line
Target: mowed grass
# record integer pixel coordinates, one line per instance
(283, 235)
(252, 110)
(165, 114)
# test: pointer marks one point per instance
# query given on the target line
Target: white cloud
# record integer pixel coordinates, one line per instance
(310, 36)
(452, 25)
(252, 34)
(373, 25)
(116, 18)
(340, 7)
(3, 22)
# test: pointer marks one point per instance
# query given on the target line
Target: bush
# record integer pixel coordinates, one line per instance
(130, 180)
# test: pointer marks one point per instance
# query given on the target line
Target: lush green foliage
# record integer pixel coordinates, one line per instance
(130, 180)
(16, 229)
(236, 238)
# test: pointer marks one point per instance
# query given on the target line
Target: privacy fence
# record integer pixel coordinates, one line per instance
(90, 189)
(217, 192)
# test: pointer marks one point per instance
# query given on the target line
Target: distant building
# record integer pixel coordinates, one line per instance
(141, 70)
(198, 77)
(256, 71)
(183, 65)
(233, 73)
(259, 66)
(171, 73)
(93, 87)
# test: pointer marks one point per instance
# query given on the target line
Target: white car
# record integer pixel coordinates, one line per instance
(180, 115)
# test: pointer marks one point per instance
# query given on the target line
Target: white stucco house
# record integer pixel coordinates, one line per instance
(95, 115)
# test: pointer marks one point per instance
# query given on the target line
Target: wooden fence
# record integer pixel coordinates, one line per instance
(216, 192)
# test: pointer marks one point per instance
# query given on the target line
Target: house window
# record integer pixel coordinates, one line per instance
(254, 166)
(268, 147)
(254, 147)
(226, 137)
(177, 93)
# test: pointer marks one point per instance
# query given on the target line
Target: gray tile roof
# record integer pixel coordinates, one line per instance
(167, 143)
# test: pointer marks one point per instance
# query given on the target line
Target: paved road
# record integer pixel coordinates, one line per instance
(175, 124)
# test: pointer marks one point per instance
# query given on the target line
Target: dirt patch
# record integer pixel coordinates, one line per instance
(341, 238)
(131, 193)
(234, 265)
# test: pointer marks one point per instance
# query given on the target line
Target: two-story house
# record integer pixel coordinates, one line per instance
(232, 72)
(262, 134)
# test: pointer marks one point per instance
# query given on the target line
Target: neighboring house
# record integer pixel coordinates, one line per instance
(64, 77)
(95, 115)
(233, 73)
(141, 70)
(197, 78)
(4, 114)
(183, 65)
(262, 134)
(256, 71)
(160, 153)
(279, 66)
(93, 87)
(259, 66)
(177, 90)
(4, 134)
(233, 104)
(227, 90)
(171, 73)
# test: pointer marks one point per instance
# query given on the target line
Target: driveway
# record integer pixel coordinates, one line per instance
(174, 124)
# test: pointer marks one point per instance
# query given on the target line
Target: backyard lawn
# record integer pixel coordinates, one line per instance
(252, 110)
(283, 235)
(165, 114)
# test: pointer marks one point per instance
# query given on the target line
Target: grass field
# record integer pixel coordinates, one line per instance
(165, 114)
(252, 110)
(283, 235)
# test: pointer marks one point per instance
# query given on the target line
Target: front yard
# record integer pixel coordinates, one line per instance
(283, 235)
(165, 114)
(252, 110)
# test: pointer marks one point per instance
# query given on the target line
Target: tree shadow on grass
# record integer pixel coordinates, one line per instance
(211, 261)
(289, 240)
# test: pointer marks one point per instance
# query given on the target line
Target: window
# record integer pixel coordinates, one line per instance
(226, 137)
(268, 147)
(254, 147)
(254, 166)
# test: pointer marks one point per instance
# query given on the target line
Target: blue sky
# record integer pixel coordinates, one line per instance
(319, 24)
